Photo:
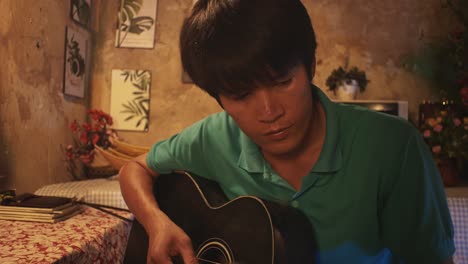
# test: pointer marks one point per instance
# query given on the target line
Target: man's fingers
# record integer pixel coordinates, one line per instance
(189, 258)
(173, 249)
(187, 254)
(160, 256)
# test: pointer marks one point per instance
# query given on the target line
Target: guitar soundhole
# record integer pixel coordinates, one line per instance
(215, 250)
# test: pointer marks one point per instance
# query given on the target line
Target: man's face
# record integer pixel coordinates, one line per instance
(277, 117)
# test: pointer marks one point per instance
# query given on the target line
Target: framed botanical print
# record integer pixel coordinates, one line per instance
(80, 12)
(76, 70)
(130, 99)
(136, 24)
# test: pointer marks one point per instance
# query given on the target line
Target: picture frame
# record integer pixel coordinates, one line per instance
(130, 99)
(80, 12)
(75, 70)
(136, 22)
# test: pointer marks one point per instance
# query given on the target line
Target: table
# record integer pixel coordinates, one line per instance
(457, 191)
(96, 237)
(92, 236)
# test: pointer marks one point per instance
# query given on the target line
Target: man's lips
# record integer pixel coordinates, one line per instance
(277, 131)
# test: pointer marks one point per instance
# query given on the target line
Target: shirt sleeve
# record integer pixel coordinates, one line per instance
(415, 220)
(183, 151)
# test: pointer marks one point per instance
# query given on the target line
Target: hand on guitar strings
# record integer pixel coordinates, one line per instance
(168, 242)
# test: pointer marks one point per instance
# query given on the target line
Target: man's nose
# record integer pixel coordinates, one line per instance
(269, 107)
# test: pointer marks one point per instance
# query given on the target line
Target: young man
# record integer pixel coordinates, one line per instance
(366, 181)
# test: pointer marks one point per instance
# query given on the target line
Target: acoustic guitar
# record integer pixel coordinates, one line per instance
(243, 230)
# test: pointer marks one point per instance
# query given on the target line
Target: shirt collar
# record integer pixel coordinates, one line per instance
(330, 160)
(250, 158)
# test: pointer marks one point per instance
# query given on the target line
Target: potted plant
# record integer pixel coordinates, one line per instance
(88, 135)
(447, 137)
(346, 84)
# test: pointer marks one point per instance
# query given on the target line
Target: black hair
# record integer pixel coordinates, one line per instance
(230, 46)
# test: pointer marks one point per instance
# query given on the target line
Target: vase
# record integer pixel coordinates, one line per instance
(99, 167)
(448, 171)
(347, 91)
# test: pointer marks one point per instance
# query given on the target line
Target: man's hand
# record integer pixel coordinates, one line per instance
(169, 241)
(166, 239)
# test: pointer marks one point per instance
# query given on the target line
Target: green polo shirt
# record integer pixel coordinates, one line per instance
(374, 195)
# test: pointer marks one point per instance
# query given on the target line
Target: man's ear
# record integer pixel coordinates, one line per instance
(312, 69)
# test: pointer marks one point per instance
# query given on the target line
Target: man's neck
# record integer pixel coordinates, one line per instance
(297, 164)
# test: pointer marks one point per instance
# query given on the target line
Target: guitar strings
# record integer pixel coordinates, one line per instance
(209, 261)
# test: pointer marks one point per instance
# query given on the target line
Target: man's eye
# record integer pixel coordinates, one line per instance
(284, 82)
(239, 97)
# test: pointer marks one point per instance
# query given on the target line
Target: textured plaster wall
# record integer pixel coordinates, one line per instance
(373, 35)
(376, 36)
(34, 114)
(174, 105)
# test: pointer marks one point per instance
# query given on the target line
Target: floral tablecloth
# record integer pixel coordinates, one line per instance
(96, 237)
(89, 237)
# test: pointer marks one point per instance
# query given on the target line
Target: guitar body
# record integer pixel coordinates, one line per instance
(244, 230)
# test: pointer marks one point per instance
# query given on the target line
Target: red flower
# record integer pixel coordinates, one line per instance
(438, 128)
(97, 128)
(84, 137)
(464, 95)
(86, 127)
(109, 120)
(95, 138)
(74, 126)
(96, 132)
(93, 112)
(427, 133)
(95, 117)
(69, 152)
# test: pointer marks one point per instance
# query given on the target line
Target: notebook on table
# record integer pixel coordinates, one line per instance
(31, 207)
